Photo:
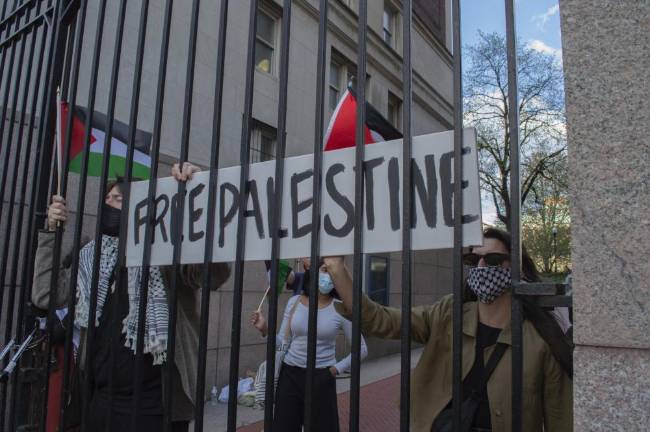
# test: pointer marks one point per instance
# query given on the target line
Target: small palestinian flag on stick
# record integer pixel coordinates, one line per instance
(284, 270)
(117, 164)
(341, 131)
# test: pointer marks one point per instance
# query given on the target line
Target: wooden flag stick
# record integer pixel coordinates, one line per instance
(57, 141)
(259, 308)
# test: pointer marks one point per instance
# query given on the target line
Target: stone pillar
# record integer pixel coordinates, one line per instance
(606, 50)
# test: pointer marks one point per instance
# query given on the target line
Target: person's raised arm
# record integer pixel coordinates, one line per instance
(42, 281)
(341, 278)
(376, 320)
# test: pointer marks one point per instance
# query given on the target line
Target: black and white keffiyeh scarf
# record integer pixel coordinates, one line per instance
(156, 322)
(488, 283)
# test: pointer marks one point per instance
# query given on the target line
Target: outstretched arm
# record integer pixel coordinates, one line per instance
(377, 320)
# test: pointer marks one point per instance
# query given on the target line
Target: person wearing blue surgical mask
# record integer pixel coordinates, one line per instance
(290, 393)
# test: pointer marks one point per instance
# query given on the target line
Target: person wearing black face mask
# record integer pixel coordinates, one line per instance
(117, 306)
(111, 220)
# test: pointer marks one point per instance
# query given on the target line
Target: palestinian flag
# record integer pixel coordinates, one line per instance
(117, 163)
(341, 131)
(284, 269)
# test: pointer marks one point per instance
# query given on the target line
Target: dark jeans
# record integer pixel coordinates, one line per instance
(290, 401)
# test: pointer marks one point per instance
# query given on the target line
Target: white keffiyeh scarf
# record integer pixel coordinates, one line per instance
(156, 321)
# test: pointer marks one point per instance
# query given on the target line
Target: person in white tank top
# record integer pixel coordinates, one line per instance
(290, 394)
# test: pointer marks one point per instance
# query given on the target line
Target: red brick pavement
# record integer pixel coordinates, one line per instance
(379, 408)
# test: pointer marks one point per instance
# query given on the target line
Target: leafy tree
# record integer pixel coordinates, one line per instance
(541, 116)
(546, 227)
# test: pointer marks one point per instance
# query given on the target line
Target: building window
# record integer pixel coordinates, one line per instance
(390, 24)
(263, 140)
(352, 4)
(394, 111)
(342, 73)
(378, 279)
(335, 84)
(266, 40)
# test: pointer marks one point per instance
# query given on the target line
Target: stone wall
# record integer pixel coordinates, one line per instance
(606, 46)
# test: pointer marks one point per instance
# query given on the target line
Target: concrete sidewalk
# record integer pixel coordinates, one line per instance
(380, 383)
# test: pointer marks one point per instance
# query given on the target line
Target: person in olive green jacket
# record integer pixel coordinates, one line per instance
(547, 360)
(120, 303)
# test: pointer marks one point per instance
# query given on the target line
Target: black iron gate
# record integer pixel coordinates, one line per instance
(41, 44)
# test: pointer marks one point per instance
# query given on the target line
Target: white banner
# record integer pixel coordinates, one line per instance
(432, 227)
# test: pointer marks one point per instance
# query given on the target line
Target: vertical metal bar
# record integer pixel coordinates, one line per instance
(155, 153)
(13, 187)
(357, 277)
(81, 199)
(315, 217)
(57, 50)
(515, 228)
(38, 192)
(407, 81)
(179, 214)
(110, 115)
(22, 203)
(4, 48)
(120, 273)
(212, 201)
(65, 388)
(235, 333)
(3, 117)
(69, 53)
(10, 210)
(12, 118)
(457, 277)
(277, 216)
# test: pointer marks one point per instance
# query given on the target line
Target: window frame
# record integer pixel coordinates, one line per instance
(394, 101)
(331, 87)
(275, 15)
(347, 70)
(393, 13)
(386, 290)
(261, 130)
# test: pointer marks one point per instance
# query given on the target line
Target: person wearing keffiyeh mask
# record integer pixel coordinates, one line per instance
(113, 355)
(547, 366)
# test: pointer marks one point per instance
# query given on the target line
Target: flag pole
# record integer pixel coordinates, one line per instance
(259, 308)
(57, 141)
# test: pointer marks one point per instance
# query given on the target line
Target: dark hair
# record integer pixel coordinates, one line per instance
(118, 181)
(547, 327)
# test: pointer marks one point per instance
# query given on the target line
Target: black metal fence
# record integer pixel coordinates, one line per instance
(41, 44)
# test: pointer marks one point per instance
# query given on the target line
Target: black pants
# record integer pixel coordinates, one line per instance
(121, 422)
(290, 401)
